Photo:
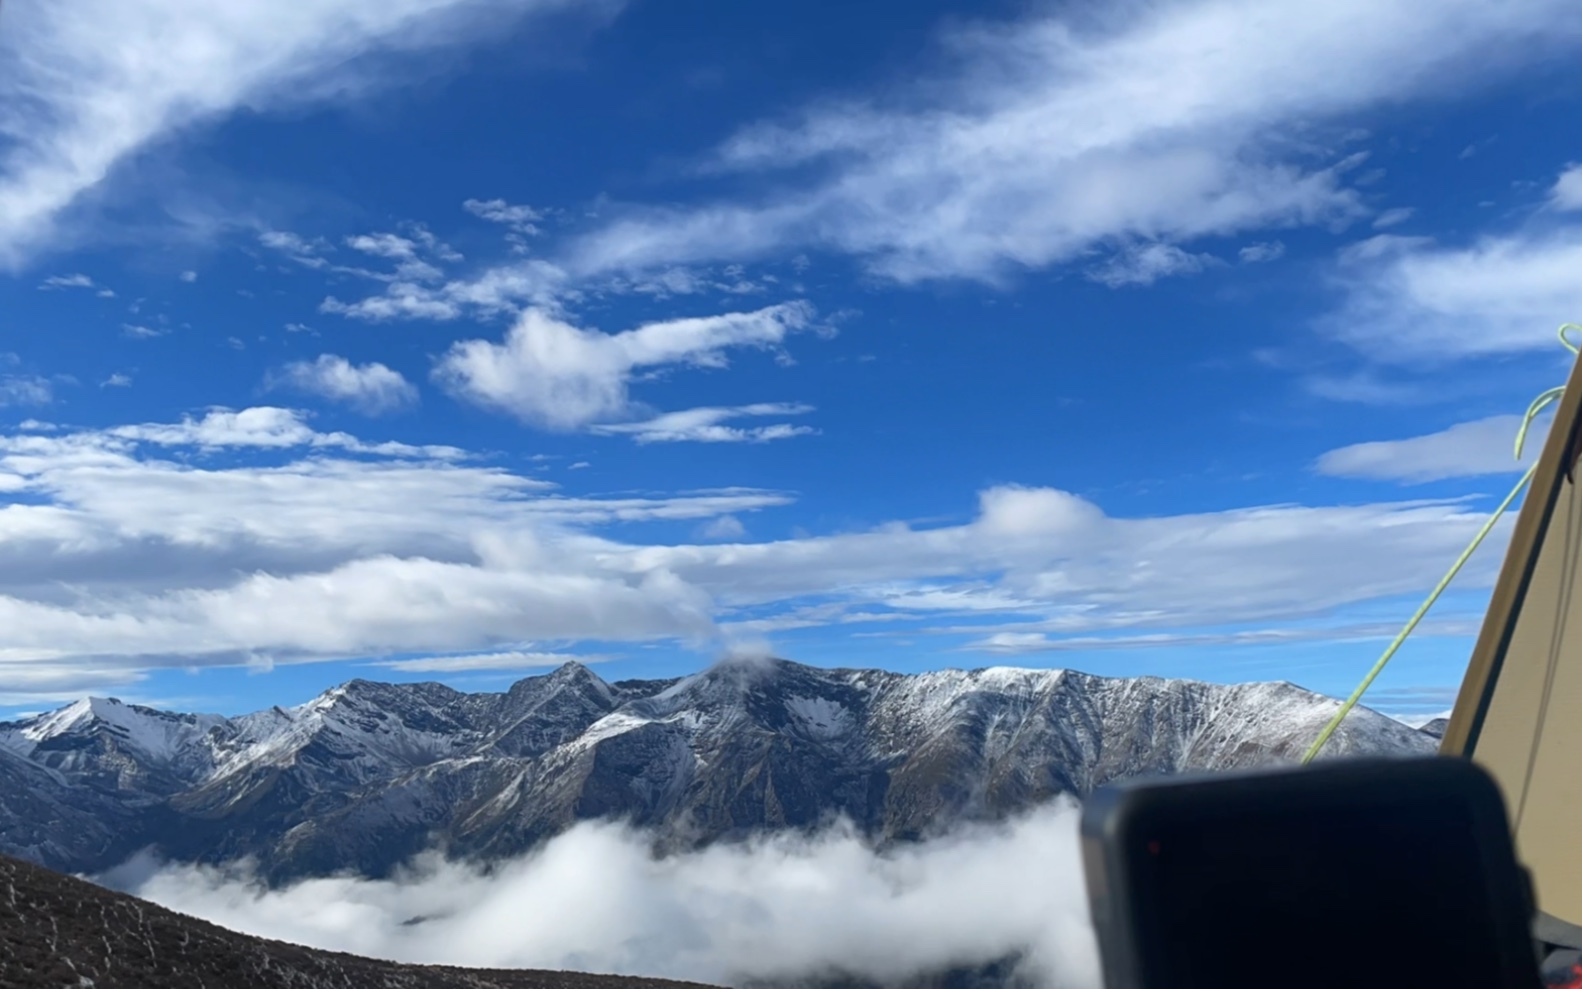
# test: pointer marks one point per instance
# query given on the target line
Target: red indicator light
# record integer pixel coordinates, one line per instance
(1153, 848)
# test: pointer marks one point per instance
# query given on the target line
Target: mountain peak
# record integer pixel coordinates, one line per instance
(75, 716)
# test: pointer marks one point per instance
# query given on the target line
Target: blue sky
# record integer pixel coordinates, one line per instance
(449, 339)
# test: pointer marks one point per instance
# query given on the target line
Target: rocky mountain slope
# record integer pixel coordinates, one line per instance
(368, 774)
(58, 932)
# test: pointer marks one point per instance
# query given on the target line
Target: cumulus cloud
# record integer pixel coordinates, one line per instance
(1567, 191)
(552, 374)
(1059, 134)
(780, 907)
(371, 388)
(1410, 301)
(707, 425)
(140, 70)
(1467, 449)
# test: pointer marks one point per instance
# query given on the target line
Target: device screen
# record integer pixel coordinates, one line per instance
(1331, 896)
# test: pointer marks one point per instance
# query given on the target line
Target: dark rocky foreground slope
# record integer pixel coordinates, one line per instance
(58, 932)
(368, 774)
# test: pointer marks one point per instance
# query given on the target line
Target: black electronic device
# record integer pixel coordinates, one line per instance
(1378, 874)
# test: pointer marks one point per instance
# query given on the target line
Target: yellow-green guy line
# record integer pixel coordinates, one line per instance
(1536, 407)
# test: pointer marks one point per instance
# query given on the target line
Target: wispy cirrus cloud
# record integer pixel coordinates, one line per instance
(1467, 449)
(1061, 135)
(78, 280)
(1411, 301)
(514, 659)
(1146, 264)
(86, 86)
(708, 425)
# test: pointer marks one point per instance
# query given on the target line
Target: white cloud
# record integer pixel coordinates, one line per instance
(116, 380)
(1567, 191)
(383, 245)
(265, 427)
(371, 388)
(502, 289)
(1053, 553)
(1468, 449)
(512, 660)
(189, 276)
(112, 556)
(1411, 301)
(25, 389)
(780, 908)
(1147, 264)
(298, 247)
(414, 255)
(249, 536)
(78, 280)
(1393, 217)
(1258, 253)
(706, 425)
(141, 70)
(1061, 134)
(139, 332)
(1026, 643)
(724, 528)
(522, 219)
(555, 375)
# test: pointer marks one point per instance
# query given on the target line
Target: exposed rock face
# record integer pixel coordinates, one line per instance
(368, 774)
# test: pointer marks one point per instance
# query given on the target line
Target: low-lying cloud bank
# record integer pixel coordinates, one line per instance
(781, 908)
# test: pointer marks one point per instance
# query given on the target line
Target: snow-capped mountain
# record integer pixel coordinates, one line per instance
(368, 774)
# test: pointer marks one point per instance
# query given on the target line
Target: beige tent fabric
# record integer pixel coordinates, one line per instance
(1519, 713)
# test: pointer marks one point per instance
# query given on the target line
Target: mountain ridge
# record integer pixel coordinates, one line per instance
(367, 774)
(57, 931)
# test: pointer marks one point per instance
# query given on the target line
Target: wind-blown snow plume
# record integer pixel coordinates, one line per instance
(782, 907)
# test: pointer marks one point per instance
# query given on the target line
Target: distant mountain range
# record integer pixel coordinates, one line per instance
(56, 931)
(368, 774)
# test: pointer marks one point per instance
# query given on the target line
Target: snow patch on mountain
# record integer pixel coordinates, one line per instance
(820, 717)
